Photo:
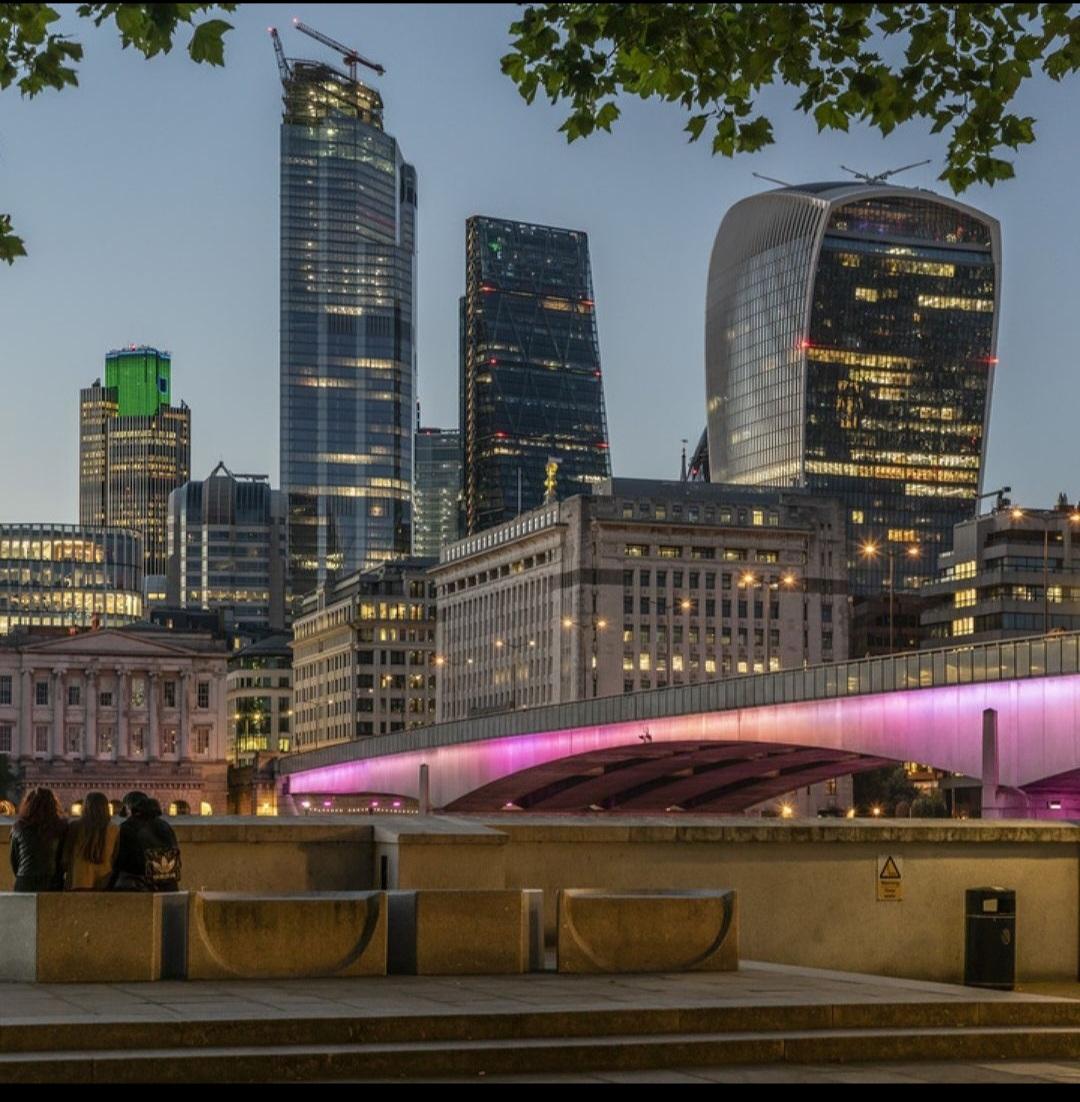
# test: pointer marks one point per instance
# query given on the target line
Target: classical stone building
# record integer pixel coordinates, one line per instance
(116, 710)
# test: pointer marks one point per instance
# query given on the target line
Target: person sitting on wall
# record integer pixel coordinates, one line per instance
(90, 847)
(148, 858)
(37, 838)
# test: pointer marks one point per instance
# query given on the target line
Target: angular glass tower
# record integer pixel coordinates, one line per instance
(850, 341)
(348, 362)
(531, 389)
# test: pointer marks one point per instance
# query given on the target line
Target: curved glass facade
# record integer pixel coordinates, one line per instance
(348, 364)
(850, 346)
(61, 575)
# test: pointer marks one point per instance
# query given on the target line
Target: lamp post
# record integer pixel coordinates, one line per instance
(1074, 517)
(597, 623)
(871, 550)
(787, 581)
(501, 644)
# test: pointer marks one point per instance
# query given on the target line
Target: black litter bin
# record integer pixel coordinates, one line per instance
(990, 938)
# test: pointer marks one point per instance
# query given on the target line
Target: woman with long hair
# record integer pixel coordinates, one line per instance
(37, 837)
(90, 846)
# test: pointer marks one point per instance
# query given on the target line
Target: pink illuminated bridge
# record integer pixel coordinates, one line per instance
(723, 746)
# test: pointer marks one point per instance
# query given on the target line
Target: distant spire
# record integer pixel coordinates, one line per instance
(682, 468)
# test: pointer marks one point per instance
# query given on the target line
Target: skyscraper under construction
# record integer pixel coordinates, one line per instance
(348, 360)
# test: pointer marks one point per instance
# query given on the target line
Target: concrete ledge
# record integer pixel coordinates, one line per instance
(465, 933)
(647, 931)
(91, 937)
(233, 936)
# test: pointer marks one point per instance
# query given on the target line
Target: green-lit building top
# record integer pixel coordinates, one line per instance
(142, 378)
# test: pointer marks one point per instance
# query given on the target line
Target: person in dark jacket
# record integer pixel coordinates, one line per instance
(37, 838)
(148, 857)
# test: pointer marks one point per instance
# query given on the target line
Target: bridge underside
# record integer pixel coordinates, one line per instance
(716, 777)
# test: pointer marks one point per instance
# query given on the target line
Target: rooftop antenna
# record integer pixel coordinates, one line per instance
(772, 179)
(352, 58)
(881, 177)
(682, 471)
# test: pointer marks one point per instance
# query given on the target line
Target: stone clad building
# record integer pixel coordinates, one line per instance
(116, 710)
(640, 585)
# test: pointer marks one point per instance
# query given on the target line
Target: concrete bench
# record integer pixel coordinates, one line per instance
(92, 937)
(451, 932)
(280, 936)
(647, 931)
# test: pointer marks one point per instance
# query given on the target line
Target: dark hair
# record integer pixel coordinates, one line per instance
(94, 827)
(129, 802)
(146, 808)
(40, 809)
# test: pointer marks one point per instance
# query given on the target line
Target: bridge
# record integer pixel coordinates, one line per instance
(1007, 713)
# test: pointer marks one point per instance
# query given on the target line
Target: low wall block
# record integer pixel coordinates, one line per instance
(450, 932)
(647, 931)
(232, 936)
(91, 937)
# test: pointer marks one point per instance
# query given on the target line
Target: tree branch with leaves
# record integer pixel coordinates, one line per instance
(35, 58)
(958, 66)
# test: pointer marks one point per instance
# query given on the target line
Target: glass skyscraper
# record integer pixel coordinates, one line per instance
(437, 490)
(134, 449)
(348, 363)
(227, 548)
(531, 389)
(850, 348)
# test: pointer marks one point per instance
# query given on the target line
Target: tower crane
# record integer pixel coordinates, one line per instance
(352, 58)
(282, 64)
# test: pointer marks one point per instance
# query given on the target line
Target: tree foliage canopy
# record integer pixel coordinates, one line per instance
(35, 58)
(958, 66)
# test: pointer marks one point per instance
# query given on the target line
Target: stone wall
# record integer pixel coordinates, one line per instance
(807, 889)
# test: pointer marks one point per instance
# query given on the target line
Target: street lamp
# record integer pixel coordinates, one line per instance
(870, 550)
(1074, 518)
(751, 583)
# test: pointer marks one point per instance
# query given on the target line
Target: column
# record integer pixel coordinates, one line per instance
(90, 732)
(153, 691)
(123, 708)
(56, 693)
(26, 713)
(185, 715)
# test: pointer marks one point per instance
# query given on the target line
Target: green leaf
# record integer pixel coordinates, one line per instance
(208, 42)
(11, 246)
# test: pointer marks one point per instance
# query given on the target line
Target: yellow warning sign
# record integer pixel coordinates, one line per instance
(890, 878)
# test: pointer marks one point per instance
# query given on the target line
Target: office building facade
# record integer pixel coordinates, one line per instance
(850, 348)
(532, 394)
(226, 541)
(1011, 573)
(348, 323)
(260, 700)
(65, 576)
(363, 656)
(134, 449)
(437, 490)
(638, 586)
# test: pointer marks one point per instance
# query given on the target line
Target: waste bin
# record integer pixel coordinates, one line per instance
(990, 938)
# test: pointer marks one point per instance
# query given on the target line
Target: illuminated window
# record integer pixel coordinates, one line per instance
(637, 550)
(866, 294)
(857, 516)
(670, 552)
(964, 598)
(644, 661)
(965, 626)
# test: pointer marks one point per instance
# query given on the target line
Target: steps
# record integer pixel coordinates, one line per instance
(581, 1040)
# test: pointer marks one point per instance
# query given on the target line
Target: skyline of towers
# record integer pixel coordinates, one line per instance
(850, 349)
(347, 358)
(531, 388)
(134, 449)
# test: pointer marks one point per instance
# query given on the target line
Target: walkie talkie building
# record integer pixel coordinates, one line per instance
(850, 348)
